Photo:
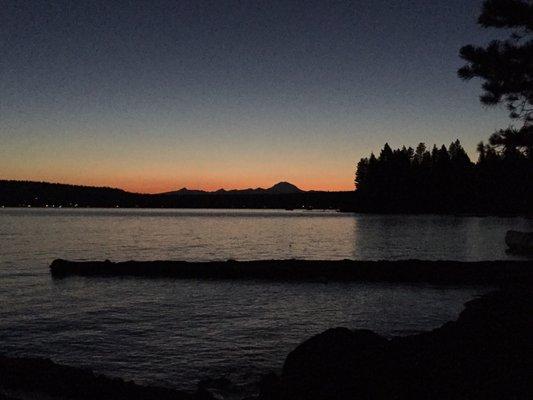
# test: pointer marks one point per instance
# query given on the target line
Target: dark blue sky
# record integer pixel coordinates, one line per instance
(154, 95)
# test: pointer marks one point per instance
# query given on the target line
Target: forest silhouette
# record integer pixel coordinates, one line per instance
(445, 180)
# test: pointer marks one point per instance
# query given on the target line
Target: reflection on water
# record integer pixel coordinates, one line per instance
(44, 234)
(433, 237)
(173, 332)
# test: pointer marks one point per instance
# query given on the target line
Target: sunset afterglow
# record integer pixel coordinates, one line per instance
(198, 99)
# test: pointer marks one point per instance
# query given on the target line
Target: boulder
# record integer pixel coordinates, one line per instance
(485, 354)
(338, 363)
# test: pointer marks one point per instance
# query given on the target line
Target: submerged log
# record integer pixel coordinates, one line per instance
(438, 272)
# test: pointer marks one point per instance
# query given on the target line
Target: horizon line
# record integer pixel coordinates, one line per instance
(176, 188)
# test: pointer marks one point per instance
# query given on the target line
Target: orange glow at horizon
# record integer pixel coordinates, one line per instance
(156, 167)
(160, 185)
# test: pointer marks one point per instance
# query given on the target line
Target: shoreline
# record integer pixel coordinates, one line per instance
(466, 214)
(402, 271)
(484, 353)
(41, 378)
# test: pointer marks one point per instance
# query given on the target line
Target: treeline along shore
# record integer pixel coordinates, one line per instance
(445, 180)
(44, 194)
(416, 271)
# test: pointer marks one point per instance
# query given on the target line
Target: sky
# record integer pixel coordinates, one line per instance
(152, 96)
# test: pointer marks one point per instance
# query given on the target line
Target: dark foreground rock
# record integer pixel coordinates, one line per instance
(435, 272)
(37, 378)
(485, 354)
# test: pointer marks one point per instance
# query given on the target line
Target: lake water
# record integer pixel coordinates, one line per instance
(175, 332)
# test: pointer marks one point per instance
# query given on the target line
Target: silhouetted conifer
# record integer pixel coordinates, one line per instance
(445, 180)
(506, 68)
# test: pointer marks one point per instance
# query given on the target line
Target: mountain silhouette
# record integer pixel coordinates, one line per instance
(283, 195)
(278, 188)
(284, 187)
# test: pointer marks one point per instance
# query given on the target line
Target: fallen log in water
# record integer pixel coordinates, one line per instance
(438, 272)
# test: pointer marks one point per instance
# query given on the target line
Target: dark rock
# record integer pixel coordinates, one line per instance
(6, 397)
(485, 354)
(214, 387)
(203, 394)
(338, 362)
(215, 383)
(42, 378)
(269, 387)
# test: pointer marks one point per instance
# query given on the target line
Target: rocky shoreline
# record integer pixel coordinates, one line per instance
(401, 271)
(38, 378)
(485, 354)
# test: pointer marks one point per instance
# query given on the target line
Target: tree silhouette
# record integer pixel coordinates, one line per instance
(445, 180)
(458, 156)
(511, 141)
(505, 66)
(505, 165)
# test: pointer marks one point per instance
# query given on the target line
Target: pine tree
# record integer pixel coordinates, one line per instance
(506, 67)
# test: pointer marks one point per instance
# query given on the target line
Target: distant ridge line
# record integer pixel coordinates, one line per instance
(282, 195)
(278, 188)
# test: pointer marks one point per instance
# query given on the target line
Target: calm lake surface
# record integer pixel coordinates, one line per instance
(175, 332)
